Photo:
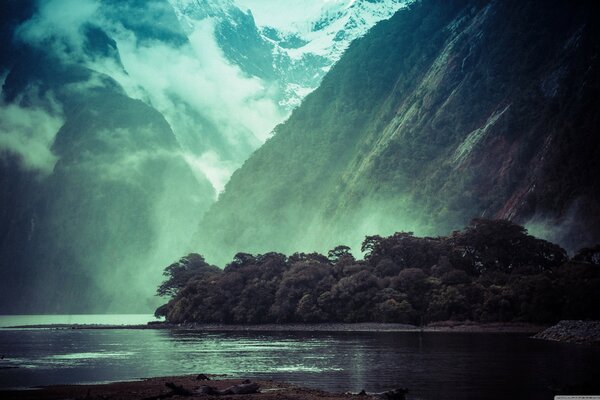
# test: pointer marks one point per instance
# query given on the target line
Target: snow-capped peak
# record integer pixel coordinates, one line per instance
(302, 38)
(340, 22)
(189, 12)
(323, 37)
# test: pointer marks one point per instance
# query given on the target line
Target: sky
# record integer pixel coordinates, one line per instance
(282, 14)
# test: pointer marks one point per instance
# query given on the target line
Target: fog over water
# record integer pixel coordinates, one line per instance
(77, 319)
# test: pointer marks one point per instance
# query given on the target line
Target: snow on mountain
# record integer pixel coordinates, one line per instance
(322, 39)
(190, 12)
(337, 24)
(292, 43)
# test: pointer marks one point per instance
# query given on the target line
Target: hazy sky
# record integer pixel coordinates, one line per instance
(281, 14)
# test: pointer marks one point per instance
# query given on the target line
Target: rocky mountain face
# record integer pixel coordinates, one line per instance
(448, 111)
(120, 121)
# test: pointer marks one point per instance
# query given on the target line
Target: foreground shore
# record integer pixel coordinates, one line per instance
(446, 326)
(156, 388)
(578, 332)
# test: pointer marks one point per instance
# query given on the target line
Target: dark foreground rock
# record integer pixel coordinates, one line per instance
(581, 332)
(185, 387)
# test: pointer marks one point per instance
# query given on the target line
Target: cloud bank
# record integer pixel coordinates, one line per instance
(218, 114)
(29, 133)
(58, 24)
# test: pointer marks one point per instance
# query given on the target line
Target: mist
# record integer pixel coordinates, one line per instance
(29, 133)
(408, 133)
(197, 90)
(116, 138)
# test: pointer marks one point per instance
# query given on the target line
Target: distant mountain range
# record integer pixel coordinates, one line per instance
(445, 112)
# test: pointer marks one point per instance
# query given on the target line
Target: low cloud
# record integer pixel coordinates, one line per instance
(58, 24)
(197, 90)
(212, 167)
(218, 114)
(29, 133)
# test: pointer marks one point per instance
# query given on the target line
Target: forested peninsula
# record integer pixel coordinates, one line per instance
(491, 271)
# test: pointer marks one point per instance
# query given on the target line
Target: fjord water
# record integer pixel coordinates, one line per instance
(75, 319)
(431, 365)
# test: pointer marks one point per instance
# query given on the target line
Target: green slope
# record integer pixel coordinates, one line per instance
(448, 111)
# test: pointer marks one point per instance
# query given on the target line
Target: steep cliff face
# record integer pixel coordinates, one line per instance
(448, 111)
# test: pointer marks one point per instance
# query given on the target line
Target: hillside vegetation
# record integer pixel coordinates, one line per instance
(450, 110)
(493, 270)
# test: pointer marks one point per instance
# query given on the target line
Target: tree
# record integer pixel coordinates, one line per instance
(589, 255)
(490, 271)
(338, 253)
(394, 311)
(180, 273)
(501, 245)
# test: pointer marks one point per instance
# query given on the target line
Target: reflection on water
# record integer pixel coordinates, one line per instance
(90, 356)
(87, 319)
(432, 365)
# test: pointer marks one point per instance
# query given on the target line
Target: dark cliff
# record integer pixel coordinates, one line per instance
(448, 111)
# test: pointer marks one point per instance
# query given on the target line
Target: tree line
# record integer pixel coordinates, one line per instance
(492, 271)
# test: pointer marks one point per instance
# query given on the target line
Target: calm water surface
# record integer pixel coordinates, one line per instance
(88, 319)
(431, 365)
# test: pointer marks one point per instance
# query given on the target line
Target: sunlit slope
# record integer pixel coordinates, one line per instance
(448, 111)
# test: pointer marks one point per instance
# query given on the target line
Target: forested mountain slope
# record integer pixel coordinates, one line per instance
(448, 111)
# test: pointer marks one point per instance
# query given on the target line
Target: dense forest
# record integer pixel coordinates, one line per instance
(493, 270)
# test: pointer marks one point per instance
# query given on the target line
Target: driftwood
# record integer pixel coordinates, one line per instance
(176, 390)
(244, 388)
(395, 394)
(205, 389)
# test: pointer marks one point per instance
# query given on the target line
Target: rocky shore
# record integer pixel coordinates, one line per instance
(580, 332)
(190, 387)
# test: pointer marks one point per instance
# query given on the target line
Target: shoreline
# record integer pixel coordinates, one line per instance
(441, 327)
(156, 388)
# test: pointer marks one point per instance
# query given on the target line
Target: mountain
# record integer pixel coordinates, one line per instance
(116, 194)
(445, 112)
(120, 122)
(305, 50)
(291, 49)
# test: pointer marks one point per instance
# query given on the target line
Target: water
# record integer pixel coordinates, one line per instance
(431, 365)
(88, 319)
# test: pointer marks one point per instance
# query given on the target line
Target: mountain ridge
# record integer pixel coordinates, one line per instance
(414, 134)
